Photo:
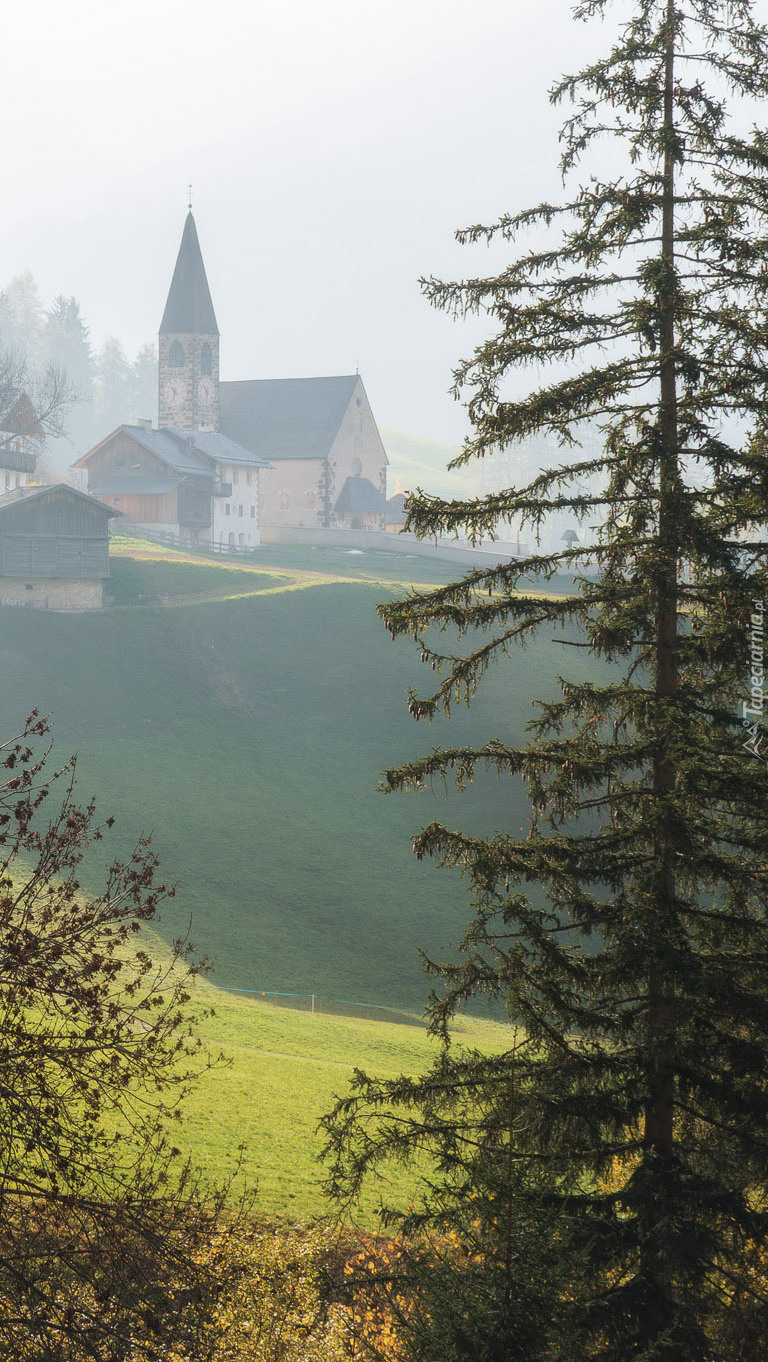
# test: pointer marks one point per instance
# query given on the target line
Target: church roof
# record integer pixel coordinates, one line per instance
(359, 494)
(189, 309)
(286, 418)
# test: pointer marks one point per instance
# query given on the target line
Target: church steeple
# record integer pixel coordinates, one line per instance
(189, 343)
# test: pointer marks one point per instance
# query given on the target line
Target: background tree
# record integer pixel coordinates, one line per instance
(144, 397)
(22, 317)
(103, 389)
(34, 406)
(68, 347)
(626, 930)
(99, 1236)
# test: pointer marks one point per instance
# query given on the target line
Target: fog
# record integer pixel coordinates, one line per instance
(333, 150)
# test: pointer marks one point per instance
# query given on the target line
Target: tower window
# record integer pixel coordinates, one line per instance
(206, 359)
(176, 355)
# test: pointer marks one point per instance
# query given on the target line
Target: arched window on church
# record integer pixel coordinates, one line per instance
(176, 355)
(206, 359)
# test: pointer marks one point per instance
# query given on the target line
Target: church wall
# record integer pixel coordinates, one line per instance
(303, 492)
(358, 449)
(292, 493)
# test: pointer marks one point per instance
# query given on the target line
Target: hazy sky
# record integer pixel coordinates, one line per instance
(333, 146)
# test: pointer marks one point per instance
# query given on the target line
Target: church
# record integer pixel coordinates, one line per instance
(228, 458)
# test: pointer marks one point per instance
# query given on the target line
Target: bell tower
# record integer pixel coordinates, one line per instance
(189, 343)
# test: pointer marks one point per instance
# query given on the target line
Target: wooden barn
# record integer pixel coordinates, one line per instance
(54, 548)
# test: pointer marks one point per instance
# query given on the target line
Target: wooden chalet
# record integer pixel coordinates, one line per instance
(54, 548)
(193, 485)
(21, 436)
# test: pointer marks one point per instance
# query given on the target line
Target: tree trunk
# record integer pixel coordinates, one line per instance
(659, 1112)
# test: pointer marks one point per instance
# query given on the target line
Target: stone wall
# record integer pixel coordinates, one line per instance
(50, 593)
(187, 397)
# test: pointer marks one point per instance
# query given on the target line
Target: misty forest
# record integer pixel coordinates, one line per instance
(384, 845)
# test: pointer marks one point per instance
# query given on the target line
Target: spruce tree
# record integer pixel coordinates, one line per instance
(625, 930)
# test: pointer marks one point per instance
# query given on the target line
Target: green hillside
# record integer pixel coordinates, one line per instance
(247, 735)
(286, 1069)
(415, 462)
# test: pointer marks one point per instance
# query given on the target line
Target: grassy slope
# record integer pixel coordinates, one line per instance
(415, 462)
(248, 735)
(286, 1068)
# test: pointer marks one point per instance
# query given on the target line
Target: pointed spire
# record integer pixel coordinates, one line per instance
(189, 310)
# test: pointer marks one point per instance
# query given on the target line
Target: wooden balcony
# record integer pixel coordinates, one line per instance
(17, 461)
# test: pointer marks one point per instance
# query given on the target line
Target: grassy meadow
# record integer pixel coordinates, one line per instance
(285, 1069)
(246, 729)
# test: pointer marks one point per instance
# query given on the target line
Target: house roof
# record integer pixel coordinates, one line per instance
(286, 418)
(185, 451)
(359, 494)
(396, 509)
(219, 447)
(189, 309)
(180, 452)
(21, 418)
(21, 495)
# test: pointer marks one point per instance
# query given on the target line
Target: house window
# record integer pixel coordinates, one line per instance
(240, 511)
(117, 501)
(227, 509)
(253, 513)
(248, 477)
(357, 468)
(241, 540)
(234, 477)
(176, 355)
(206, 359)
